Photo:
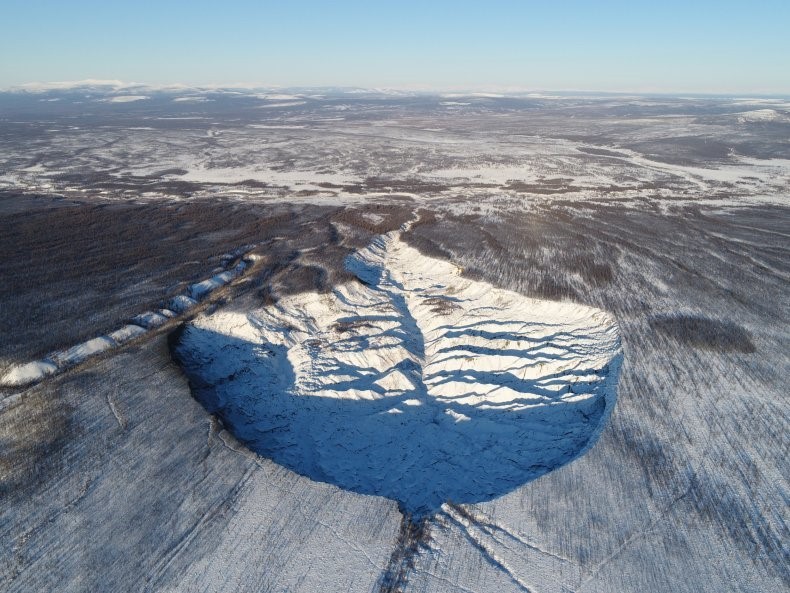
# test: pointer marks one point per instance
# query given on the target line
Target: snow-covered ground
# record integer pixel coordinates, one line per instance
(666, 215)
(31, 372)
(306, 147)
(413, 383)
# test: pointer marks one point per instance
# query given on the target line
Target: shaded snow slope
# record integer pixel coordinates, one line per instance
(414, 383)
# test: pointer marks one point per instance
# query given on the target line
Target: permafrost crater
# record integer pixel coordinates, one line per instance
(416, 384)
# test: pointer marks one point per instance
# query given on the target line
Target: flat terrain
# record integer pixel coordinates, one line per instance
(668, 215)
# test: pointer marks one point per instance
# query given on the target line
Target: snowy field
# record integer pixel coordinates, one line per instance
(337, 147)
(344, 340)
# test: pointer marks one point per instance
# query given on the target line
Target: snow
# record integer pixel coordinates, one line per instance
(373, 217)
(766, 170)
(277, 127)
(763, 115)
(293, 179)
(69, 85)
(494, 174)
(127, 98)
(202, 289)
(479, 95)
(181, 303)
(126, 333)
(416, 384)
(296, 152)
(683, 492)
(32, 372)
(279, 97)
(132, 414)
(197, 99)
(282, 104)
(27, 373)
(81, 352)
(149, 319)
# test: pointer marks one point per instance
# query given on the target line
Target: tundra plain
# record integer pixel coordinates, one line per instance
(400, 252)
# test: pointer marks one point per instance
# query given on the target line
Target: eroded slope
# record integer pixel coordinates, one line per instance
(413, 383)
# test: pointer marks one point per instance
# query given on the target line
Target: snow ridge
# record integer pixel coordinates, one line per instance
(414, 383)
(234, 265)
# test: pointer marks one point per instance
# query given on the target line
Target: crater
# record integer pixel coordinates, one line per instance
(415, 383)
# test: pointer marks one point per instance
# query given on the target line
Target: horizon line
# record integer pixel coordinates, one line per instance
(503, 91)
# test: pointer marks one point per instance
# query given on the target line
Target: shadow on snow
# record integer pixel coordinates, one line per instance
(417, 449)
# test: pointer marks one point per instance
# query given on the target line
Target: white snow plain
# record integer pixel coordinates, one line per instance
(414, 383)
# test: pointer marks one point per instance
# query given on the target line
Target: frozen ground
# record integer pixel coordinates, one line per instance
(337, 146)
(411, 383)
(28, 373)
(136, 469)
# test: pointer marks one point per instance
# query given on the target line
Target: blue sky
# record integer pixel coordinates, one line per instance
(667, 46)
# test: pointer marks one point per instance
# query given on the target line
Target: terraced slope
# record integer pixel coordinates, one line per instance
(413, 383)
